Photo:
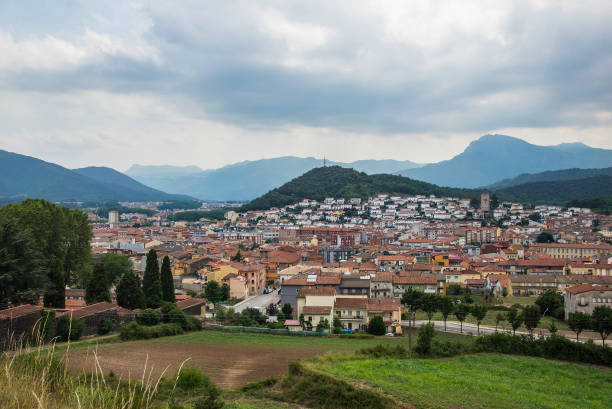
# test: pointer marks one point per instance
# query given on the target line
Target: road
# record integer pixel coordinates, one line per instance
(455, 327)
(261, 301)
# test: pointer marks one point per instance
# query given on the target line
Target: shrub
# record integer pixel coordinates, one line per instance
(192, 323)
(148, 317)
(133, 331)
(386, 351)
(193, 380)
(356, 336)
(170, 313)
(190, 378)
(105, 326)
(376, 326)
(426, 334)
(69, 328)
(551, 347)
(46, 332)
(447, 348)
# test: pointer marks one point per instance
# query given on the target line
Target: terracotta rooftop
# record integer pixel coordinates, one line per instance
(352, 303)
(320, 291)
(19, 311)
(586, 288)
(316, 310)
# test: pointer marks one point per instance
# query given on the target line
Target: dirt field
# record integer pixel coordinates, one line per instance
(228, 365)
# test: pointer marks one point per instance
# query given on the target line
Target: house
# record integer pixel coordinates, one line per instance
(476, 285)
(293, 325)
(426, 284)
(315, 304)
(584, 298)
(352, 312)
(381, 285)
(497, 283)
(92, 315)
(255, 276)
(390, 309)
(16, 322)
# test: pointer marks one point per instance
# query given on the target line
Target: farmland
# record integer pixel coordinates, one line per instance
(230, 359)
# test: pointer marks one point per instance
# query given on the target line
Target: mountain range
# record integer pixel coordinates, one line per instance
(487, 160)
(245, 180)
(551, 176)
(24, 176)
(495, 157)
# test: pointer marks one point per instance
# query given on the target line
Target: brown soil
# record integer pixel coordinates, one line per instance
(228, 365)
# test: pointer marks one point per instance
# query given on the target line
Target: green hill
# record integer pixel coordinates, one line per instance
(335, 181)
(550, 176)
(559, 192)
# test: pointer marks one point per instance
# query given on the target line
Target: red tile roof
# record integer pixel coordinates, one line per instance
(316, 310)
(11, 313)
(321, 291)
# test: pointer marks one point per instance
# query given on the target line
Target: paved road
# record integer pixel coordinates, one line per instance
(455, 327)
(261, 301)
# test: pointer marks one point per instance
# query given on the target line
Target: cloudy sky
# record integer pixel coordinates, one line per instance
(210, 83)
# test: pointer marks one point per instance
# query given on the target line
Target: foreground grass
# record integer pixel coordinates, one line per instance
(483, 381)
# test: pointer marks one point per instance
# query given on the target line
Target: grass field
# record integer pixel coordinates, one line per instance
(483, 381)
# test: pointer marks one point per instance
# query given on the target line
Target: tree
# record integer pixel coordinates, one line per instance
(499, 318)
(23, 274)
(287, 311)
(237, 257)
(323, 325)
(97, 288)
(115, 266)
(461, 312)
(531, 317)
(601, 322)
(551, 303)
(479, 312)
(446, 308)
(271, 309)
(213, 291)
(411, 299)
(429, 304)
(514, 319)
(337, 324)
(151, 282)
(129, 292)
(225, 292)
(167, 283)
(578, 322)
(426, 335)
(376, 326)
(545, 237)
(62, 236)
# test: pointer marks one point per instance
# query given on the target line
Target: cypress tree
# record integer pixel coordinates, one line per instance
(151, 283)
(129, 292)
(97, 288)
(166, 281)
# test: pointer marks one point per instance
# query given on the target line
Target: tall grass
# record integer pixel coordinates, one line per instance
(36, 377)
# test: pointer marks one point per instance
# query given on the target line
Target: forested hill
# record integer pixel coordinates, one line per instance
(559, 192)
(551, 176)
(335, 181)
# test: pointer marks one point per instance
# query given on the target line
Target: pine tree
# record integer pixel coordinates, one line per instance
(151, 283)
(166, 281)
(97, 288)
(129, 292)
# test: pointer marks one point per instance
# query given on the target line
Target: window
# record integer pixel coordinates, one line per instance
(310, 319)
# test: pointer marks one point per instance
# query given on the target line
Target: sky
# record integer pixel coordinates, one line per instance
(195, 82)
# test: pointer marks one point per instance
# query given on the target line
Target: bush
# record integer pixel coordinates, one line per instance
(170, 313)
(133, 331)
(551, 347)
(46, 332)
(105, 326)
(193, 380)
(192, 323)
(356, 336)
(377, 326)
(426, 334)
(448, 348)
(148, 317)
(386, 351)
(67, 327)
